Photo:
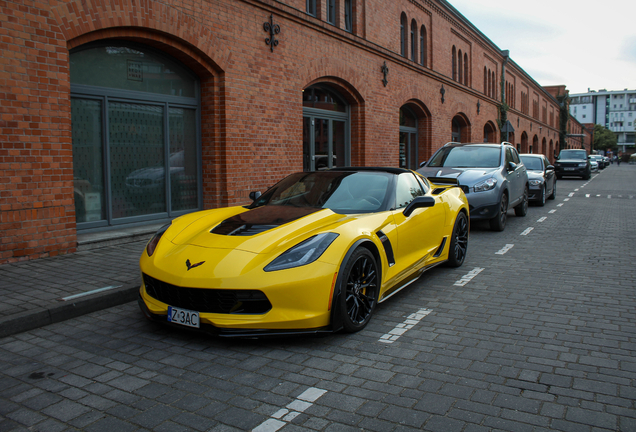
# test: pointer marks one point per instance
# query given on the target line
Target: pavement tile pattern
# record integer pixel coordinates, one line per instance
(542, 337)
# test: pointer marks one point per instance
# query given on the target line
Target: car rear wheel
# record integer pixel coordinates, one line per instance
(359, 290)
(521, 209)
(498, 223)
(459, 242)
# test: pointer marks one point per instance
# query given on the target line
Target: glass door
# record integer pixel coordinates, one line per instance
(324, 143)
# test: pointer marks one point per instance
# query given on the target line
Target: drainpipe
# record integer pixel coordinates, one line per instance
(506, 57)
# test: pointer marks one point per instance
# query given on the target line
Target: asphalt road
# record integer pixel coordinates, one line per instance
(536, 331)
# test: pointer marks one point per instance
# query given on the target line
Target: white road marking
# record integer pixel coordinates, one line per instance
(469, 276)
(552, 211)
(542, 219)
(527, 231)
(504, 249)
(289, 413)
(567, 199)
(587, 195)
(405, 326)
(571, 194)
(560, 205)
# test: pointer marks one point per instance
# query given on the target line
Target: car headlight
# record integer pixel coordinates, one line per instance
(536, 182)
(583, 165)
(154, 241)
(485, 185)
(303, 253)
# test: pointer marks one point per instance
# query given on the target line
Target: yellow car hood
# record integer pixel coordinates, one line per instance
(260, 230)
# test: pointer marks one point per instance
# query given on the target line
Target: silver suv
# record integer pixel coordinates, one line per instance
(491, 175)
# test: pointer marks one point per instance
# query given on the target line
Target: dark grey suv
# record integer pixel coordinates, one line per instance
(573, 162)
(491, 175)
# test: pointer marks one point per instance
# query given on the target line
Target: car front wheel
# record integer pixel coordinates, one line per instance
(498, 223)
(521, 209)
(542, 197)
(359, 290)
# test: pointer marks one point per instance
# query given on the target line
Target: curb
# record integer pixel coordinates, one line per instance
(63, 311)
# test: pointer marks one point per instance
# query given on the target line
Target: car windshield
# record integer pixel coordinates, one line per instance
(532, 163)
(341, 191)
(474, 156)
(573, 154)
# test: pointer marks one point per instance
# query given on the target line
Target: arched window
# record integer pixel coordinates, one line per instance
(460, 68)
(454, 55)
(413, 40)
(465, 69)
(326, 142)
(403, 35)
(141, 108)
(423, 46)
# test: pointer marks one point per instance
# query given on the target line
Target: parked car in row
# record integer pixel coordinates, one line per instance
(541, 178)
(491, 175)
(600, 161)
(573, 162)
(315, 253)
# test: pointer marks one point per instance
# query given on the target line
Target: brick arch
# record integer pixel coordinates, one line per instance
(178, 35)
(147, 21)
(465, 125)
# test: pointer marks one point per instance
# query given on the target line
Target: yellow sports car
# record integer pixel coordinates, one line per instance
(315, 253)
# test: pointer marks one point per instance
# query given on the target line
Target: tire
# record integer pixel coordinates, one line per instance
(544, 192)
(498, 223)
(459, 242)
(553, 196)
(521, 209)
(359, 290)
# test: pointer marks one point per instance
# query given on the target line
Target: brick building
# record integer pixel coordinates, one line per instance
(101, 99)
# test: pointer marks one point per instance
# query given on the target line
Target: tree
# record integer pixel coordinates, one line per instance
(604, 139)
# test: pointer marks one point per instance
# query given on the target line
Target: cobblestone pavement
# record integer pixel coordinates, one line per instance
(536, 331)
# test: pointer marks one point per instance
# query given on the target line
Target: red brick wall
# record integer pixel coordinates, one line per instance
(251, 97)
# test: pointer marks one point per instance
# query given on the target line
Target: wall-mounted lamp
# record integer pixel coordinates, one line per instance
(442, 91)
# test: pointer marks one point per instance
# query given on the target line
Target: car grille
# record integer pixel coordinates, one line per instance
(222, 301)
(571, 164)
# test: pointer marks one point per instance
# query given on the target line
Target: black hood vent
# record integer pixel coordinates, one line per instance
(261, 219)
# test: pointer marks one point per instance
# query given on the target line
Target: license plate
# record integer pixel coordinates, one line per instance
(569, 169)
(184, 317)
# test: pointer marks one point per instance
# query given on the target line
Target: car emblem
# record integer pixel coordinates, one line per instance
(191, 266)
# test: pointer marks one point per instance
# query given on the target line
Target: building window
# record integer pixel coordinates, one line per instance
(413, 40)
(403, 35)
(460, 68)
(326, 142)
(408, 139)
(465, 69)
(423, 46)
(454, 60)
(348, 6)
(331, 12)
(135, 135)
(311, 7)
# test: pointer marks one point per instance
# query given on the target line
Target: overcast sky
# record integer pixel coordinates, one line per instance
(582, 45)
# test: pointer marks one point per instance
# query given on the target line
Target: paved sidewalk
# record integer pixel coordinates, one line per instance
(43, 291)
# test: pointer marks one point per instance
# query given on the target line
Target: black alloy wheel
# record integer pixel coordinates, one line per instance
(543, 194)
(459, 242)
(359, 289)
(498, 223)
(522, 208)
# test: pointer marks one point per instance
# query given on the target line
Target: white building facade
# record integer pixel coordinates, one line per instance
(615, 109)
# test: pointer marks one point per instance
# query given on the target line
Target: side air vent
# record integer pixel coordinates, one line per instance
(438, 191)
(388, 249)
(440, 249)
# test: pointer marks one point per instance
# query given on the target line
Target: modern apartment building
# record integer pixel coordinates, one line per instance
(614, 109)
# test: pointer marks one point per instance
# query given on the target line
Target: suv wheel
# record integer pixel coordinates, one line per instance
(498, 223)
(522, 208)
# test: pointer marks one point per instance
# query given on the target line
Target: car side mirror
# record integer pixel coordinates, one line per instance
(512, 166)
(550, 168)
(422, 164)
(418, 202)
(255, 195)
